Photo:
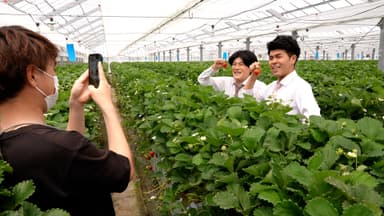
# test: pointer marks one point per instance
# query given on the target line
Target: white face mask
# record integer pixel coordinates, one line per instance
(50, 100)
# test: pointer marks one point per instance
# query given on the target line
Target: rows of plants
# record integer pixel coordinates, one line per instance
(349, 89)
(207, 154)
(343, 89)
(210, 155)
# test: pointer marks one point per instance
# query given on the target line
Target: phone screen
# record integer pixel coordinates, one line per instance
(93, 70)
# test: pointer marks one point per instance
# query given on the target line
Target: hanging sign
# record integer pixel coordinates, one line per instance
(225, 55)
(71, 53)
(317, 55)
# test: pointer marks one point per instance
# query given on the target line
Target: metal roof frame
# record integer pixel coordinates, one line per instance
(127, 28)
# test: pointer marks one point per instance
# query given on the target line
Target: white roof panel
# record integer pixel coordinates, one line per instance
(146, 26)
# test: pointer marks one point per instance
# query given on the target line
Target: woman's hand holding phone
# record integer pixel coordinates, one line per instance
(93, 61)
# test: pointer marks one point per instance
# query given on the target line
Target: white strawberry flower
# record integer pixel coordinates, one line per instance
(352, 154)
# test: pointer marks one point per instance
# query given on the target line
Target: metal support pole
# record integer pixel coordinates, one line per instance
(219, 45)
(381, 46)
(248, 43)
(170, 55)
(188, 50)
(373, 54)
(295, 35)
(346, 54)
(201, 52)
(163, 56)
(353, 46)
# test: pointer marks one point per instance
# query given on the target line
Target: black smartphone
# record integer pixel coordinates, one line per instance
(93, 60)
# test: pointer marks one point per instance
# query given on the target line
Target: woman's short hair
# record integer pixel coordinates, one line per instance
(20, 47)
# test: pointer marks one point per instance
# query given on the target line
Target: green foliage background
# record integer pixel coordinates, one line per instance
(228, 156)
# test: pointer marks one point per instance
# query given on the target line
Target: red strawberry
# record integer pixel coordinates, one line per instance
(225, 65)
(149, 167)
(152, 154)
(257, 71)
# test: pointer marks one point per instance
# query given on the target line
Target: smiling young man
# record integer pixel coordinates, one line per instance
(289, 88)
(240, 82)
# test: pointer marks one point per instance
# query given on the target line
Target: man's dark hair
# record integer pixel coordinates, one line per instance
(285, 42)
(20, 47)
(247, 56)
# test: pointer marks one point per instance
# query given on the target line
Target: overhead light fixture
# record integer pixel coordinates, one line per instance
(38, 26)
(277, 15)
(231, 24)
(277, 29)
(51, 24)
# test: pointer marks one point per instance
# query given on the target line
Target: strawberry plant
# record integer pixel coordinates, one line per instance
(13, 199)
(229, 156)
(346, 89)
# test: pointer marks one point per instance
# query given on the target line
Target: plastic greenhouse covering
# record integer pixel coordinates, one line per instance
(183, 30)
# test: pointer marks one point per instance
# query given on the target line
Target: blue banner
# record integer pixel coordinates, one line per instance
(225, 55)
(317, 55)
(71, 53)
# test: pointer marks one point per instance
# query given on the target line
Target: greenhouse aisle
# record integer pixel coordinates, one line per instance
(129, 202)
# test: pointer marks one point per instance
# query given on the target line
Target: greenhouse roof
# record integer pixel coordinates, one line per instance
(139, 28)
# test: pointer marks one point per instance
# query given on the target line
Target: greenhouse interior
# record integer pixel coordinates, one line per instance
(203, 30)
(198, 147)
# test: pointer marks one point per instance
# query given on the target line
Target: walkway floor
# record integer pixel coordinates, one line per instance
(129, 202)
